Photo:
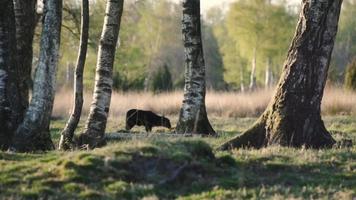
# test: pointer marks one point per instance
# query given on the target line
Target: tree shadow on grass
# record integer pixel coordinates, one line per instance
(189, 168)
(168, 170)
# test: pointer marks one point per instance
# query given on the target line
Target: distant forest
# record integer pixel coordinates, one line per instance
(242, 49)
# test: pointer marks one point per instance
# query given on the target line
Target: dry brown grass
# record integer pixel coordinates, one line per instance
(223, 104)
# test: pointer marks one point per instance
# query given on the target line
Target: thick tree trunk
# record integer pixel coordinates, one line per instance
(193, 117)
(94, 132)
(293, 116)
(33, 134)
(253, 84)
(25, 15)
(9, 97)
(67, 134)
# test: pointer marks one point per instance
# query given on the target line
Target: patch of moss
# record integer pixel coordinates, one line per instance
(135, 169)
(90, 194)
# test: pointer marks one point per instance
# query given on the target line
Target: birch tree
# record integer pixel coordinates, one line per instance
(260, 32)
(93, 135)
(193, 116)
(33, 133)
(67, 134)
(293, 116)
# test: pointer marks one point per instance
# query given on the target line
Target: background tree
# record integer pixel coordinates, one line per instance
(162, 80)
(228, 58)
(345, 44)
(193, 117)
(252, 43)
(293, 116)
(350, 76)
(94, 132)
(139, 55)
(213, 58)
(33, 133)
(67, 134)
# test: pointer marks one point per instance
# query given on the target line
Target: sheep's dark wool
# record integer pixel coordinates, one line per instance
(145, 118)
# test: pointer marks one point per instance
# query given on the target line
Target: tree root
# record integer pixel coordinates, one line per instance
(86, 141)
(252, 138)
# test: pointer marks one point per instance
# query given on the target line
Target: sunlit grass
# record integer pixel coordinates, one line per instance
(135, 168)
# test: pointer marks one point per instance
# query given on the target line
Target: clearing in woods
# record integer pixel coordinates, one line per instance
(161, 167)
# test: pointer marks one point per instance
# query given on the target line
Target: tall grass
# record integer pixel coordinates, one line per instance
(223, 104)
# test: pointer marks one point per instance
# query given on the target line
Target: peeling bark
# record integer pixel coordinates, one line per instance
(193, 117)
(293, 116)
(33, 133)
(67, 134)
(93, 135)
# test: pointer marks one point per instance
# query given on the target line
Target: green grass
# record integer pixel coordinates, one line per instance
(145, 168)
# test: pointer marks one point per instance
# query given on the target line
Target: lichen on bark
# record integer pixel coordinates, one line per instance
(93, 135)
(193, 116)
(33, 133)
(293, 116)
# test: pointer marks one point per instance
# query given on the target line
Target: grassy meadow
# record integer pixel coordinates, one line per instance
(164, 166)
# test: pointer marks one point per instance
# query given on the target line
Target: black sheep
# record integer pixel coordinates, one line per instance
(145, 118)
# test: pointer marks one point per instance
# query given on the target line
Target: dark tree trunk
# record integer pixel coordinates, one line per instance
(9, 97)
(93, 135)
(25, 16)
(193, 117)
(293, 116)
(33, 133)
(67, 134)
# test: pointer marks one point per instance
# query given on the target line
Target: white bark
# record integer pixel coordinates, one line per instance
(67, 134)
(96, 123)
(193, 117)
(242, 84)
(268, 75)
(253, 71)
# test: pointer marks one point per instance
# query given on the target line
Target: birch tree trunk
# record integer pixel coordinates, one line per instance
(253, 71)
(242, 85)
(94, 132)
(25, 16)
(67, 134)
(9, 97)
(293, 116)
(268, 74)
(33, 133)
(193, 117)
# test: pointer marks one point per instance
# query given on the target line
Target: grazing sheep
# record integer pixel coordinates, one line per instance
(145, 118)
